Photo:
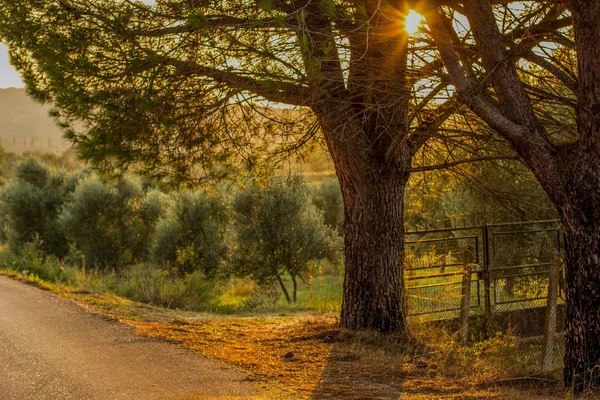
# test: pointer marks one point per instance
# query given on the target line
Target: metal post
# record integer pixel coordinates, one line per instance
(465, 305)
(486, 270)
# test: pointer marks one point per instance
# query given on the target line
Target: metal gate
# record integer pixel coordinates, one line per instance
(508, 264)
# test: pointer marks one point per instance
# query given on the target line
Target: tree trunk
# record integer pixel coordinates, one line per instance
(295, 287)
(374, 245)
(581, 215)
(284, 289)
(364, 116)
(582, 256)
(582, 347)
(372, 184)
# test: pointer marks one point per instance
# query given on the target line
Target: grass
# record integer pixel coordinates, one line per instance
(323, 294)
(148, 284)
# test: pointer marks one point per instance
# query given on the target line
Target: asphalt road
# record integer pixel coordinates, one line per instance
(52, 349)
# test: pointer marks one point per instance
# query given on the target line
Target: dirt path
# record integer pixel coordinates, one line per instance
(52, 349)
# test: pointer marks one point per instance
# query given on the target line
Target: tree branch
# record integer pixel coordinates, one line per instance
(461, 162)
(467, 88)
(521, 129)
(223, 21)
(553, 69)
(544, 27)
(272, 90)
(432, 122)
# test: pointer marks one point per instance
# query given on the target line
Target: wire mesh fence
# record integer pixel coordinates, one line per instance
(506, 267)
(508, 263)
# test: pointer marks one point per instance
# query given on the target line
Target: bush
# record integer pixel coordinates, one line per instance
(32, 261)
(191, 237)
(111, 224)
(280, 232)
(148, 284)
(31, 205)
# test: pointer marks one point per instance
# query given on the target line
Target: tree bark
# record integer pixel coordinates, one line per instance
(581, 212)
(374, 247)
(581, 224)
(284, 289)
(373, 190)
(582, 346)
(295, 287)
(372, 186)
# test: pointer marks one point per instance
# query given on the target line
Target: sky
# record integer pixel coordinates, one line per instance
(8, 76)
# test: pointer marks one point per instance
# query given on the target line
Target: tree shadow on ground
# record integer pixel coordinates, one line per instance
(311, 357)
(369, 365)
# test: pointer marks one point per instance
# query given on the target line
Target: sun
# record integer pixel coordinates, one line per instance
(412, 22)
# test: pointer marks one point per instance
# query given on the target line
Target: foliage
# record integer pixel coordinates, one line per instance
(148, 284)
(171, 126)
(328, 198)
(263, 296)
(111, 223)
(501, 191)
(32, 261)
(280, 232)
(191, 236)
(31, 205)
(8, 161)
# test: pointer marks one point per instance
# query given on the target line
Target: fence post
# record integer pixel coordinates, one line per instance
(465, 305)
(551, 310)
(486, 270)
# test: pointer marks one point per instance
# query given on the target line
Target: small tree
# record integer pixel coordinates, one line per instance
(279, 232)
(111, 223)
(31, 204)
(191, 236)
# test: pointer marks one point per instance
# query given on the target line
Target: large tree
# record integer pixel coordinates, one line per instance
(540, 90)
(186, 90)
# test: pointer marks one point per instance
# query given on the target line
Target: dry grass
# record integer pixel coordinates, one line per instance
(309, 357)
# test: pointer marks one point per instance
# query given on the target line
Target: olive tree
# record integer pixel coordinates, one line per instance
(328, 198)
(111, 223)
(280, 232)
(191, 235)
(31, 204)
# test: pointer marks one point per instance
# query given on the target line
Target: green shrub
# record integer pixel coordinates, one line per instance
(328, 198)
(112, 224)
(280, 232)
(191, 237)
(32, 260)
(31, 204)
(148, 284)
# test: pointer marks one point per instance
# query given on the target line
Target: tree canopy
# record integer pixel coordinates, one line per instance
(194, 87)
(187, 91)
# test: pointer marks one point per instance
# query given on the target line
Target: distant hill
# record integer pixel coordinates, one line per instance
(26, 126)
